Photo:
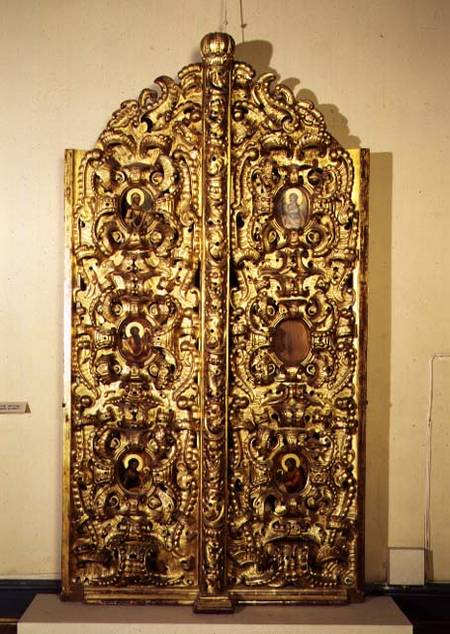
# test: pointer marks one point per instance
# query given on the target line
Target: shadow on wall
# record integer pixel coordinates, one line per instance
(258, 53)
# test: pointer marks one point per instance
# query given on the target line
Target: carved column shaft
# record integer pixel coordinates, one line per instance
(217, 51)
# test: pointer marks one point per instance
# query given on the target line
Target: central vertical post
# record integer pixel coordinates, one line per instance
(217, 53)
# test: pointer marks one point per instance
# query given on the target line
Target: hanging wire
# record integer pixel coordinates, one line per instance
(225, 16)
(243, 24)
(224, 19)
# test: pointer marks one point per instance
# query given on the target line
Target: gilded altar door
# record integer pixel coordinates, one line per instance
(215, 348)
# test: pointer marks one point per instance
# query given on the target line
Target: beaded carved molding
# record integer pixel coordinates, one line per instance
(215, 348)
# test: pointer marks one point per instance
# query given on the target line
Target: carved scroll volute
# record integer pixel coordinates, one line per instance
(217, 53)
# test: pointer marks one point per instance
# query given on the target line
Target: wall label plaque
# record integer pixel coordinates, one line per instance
(215, 348)
(14, 407)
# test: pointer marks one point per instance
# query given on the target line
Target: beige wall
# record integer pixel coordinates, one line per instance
(66, 65)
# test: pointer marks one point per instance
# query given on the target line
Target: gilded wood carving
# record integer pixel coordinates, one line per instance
(215, 352)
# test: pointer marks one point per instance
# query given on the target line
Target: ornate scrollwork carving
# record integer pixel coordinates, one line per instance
(136, 325)
(216, 388)
(217, 53)
(295, 249)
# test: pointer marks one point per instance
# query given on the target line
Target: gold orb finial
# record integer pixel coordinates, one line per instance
(217, 48)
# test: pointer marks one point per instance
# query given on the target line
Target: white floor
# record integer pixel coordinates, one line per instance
(48, 615)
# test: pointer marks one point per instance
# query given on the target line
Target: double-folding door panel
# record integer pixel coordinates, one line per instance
(215, 348)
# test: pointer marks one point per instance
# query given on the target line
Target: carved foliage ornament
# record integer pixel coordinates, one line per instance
(215, 366)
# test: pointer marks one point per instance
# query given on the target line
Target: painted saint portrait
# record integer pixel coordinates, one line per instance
(291, 473)
(131, 472)
(292, 208)
(135, 207)
(135, 341)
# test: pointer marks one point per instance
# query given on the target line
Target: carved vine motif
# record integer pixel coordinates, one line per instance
(135, 351)
(294, 403)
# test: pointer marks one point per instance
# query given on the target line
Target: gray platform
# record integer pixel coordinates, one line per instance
(48, 615)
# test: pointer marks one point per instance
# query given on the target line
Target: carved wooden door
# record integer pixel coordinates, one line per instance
(215, 366)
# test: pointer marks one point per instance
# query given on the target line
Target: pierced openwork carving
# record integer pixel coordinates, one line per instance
(295, 399)
(215, 375)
